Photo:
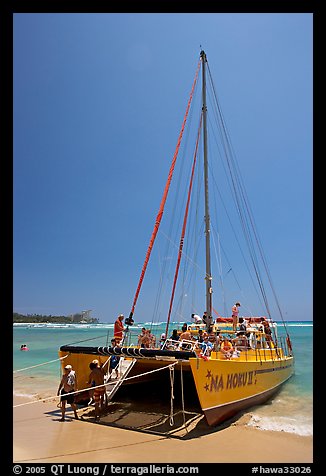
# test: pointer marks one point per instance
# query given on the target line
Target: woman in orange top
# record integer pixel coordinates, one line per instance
(227, 348)
(119, 328)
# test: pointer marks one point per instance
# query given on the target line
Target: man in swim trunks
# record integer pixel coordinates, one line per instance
(96, 378)
(68, 384)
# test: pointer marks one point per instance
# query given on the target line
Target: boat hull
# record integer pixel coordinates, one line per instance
(145, 370)
(226, 387)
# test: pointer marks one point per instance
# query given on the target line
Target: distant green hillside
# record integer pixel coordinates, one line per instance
(75, 318)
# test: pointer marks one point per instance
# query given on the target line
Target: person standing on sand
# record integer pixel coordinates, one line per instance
(235, 312)
(96, 379)
(68, 384)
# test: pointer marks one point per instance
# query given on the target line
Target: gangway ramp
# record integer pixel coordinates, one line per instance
(113, 385)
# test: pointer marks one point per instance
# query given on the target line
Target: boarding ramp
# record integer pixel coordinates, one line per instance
(113, 385)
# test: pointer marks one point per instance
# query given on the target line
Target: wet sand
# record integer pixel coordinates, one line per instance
(40, 437)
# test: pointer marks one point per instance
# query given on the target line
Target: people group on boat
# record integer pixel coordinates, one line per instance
(222, 335)
(205, 335)
(146, 339)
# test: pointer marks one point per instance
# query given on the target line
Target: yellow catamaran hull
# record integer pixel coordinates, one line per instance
(226, 387)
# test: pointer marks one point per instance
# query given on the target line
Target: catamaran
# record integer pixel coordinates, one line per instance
(233, 364)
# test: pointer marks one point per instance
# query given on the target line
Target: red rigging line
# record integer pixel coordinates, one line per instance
(183, 228)
(164, 197)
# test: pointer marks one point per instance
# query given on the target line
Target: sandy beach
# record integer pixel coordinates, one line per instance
(40, 437)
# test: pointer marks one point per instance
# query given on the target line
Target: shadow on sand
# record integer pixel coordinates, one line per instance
(149, 408)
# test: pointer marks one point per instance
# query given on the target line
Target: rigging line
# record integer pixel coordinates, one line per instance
(219, 266)
(196, 223)
(199, 221)
(233, 189)
(174, 222)
(195, 265)
(160, 285)
(235, 236)
(164, 197)
(190, 272)
(191, 240)
(85, 340)
(250, 215)
(38, 365)
(97, 386)
(235, 178)
(183, 228)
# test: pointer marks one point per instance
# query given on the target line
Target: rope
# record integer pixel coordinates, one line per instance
(98, 386)
(38, 365)
(164, 197)
(172, 395)
(183, 402)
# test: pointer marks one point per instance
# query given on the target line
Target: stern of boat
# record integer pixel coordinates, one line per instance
(226, 387)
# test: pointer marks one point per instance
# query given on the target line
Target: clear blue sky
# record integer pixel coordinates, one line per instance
(98, 105)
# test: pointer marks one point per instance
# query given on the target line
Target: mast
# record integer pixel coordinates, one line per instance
(208, 277)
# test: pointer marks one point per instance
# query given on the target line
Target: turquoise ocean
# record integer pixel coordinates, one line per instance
(37, 371)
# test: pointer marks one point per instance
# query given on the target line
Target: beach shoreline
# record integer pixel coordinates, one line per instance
(40, 437)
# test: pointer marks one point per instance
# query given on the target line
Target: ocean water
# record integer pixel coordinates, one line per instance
(37, 372)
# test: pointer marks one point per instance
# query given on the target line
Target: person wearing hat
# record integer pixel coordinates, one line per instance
(235, 312)
(119, 328)
(96, 379)
(68, 384)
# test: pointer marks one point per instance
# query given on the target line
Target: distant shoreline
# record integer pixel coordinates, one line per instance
(136, 323)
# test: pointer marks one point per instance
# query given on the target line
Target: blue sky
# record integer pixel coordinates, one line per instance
(98, 105)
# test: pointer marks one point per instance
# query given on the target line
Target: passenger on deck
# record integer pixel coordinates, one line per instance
(152, 340)
(206, 347)
(119, 328)
(186, 334)
(268, 333)
(145, 341)
(114, 361)
(197, 319)
(141, 335)
(211, 334)
(227, 348)
(207, 319)
(242, 324)
(174, 335)
(241, 341)
(162, 340)
(201, 335)
(218, 340)
(235, 312)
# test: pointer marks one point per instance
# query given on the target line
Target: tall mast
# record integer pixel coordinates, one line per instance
(208, 277)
